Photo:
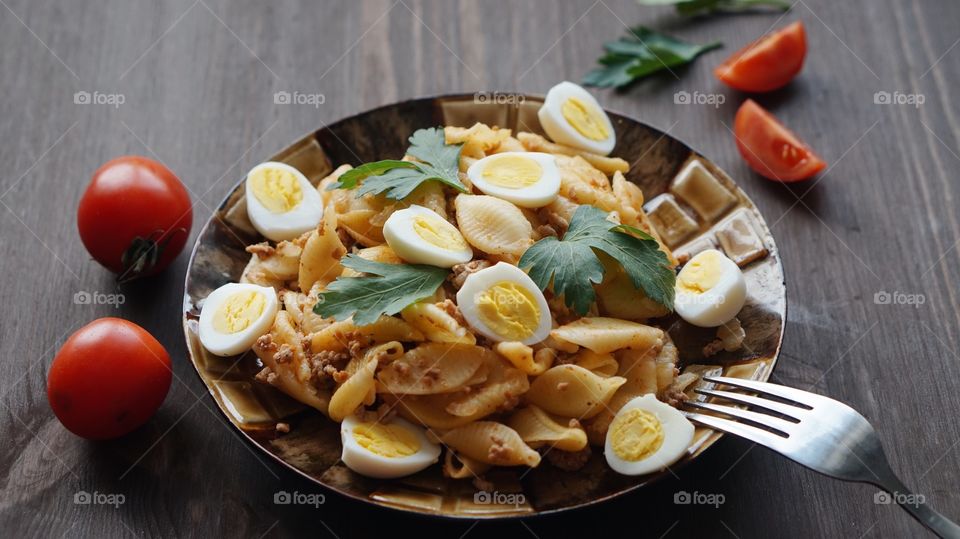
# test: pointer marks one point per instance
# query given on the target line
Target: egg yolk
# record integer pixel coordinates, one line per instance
(585, 118)
(277, 189)
(238, 312)
(509, 310)
(702, 273)
(635, 435)
(438, 232)
(512, 172)
(390, 441)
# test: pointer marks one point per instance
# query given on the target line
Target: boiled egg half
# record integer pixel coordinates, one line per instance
(235, 315)
(421, 236)
(385, 450)
(571, 116)
(710, 290)
(281, 202)
(503, 304)
(646, 436)
(527, 179)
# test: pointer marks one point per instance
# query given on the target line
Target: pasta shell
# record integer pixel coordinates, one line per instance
(604, 335)
(503, 384)
(572, 391)
(493, 225)
(436, 324)
(600, 364)
(522, 357)
(640, 371)
(338, 335)
(320, 260)
(292, 376)
(431, 368)
(428, 410)
(462, 467)
(537, 428)
(358, 223)
(354, 392)
(491, 442)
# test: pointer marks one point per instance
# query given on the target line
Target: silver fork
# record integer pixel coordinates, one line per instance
(822, 434)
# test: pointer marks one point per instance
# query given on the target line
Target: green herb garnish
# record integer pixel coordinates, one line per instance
(573, 266)
(397, 179)
(386, 289)
(699, 7)
(640, 53)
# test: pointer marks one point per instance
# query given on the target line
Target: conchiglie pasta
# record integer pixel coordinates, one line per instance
(602, 334)
(273, 266)
(537, 428)
(503, 385)
(292, 374)
(320, 261)
(572, 391)
(600, 364)
(431, 368)
(493, 225)
(462, 467)
(639, 370)
(356, 390)
(522, 357)
(436, 324)
(429, 410)
(338, 335)
(492, 443)
(619, 298)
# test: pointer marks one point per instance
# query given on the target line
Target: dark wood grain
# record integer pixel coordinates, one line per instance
(198, 80)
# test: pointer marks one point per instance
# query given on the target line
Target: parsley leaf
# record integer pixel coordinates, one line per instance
(640, 53)
(699, 7)
(574, 268)
(387, 289)
(437, 161)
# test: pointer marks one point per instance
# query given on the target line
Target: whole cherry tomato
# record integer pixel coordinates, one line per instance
(134, 217)
(108, 379)
(772, 150)
(768, 63)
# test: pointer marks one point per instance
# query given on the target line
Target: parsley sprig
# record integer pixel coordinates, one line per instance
(437, 160)
(640, 53)
(386, 289)
(573, 267)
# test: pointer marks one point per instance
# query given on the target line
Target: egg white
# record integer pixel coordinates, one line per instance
(284, 226)
(537, 195)
(559, 129)
(370, 464)
(477, 283)
(718, 305)
(400, 235)
(677, 435)
(230, 344)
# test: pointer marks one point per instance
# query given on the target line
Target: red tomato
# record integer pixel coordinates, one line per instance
(768, 63)
(108, 379)
(770, 148)
(134, 217)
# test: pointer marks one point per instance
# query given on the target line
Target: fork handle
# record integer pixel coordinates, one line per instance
(918, 509)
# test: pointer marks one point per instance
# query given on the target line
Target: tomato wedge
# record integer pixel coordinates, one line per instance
(768, 63)
(771, 149)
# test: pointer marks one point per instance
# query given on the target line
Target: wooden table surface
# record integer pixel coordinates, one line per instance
(197, 80)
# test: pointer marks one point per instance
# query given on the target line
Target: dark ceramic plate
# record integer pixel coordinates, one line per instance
(312, 448)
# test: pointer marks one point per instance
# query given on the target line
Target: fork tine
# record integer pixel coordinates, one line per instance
(788, 410)
(754, 434)
(800, 397)
(782, 426)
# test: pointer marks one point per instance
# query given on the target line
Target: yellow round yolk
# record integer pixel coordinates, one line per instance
(438, 232)
(390, 441)
(585, 118)
(512, 172)
(277, 189)
(702, 273)
(509, 310)
(636, 434)
(238, 312)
